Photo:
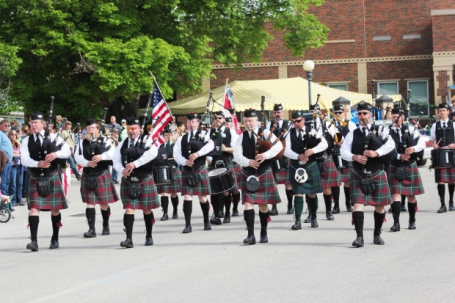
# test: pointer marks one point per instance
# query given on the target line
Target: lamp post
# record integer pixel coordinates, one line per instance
(308, 66)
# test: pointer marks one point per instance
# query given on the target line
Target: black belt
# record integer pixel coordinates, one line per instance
(93, 171)
(45, 172)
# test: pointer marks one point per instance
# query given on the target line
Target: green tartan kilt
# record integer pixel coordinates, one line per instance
(174, 187)
(330, 176)
(380, 196)
(267, 192)
(314, 183)
(203, 186)
(345, 173)
(148, 199)
(409, 187)
(104, 193)
(55, 200)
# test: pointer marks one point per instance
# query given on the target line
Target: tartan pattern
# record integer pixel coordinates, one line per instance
(174, 187)
(55, 200)
(238, 172)
(203, 186)
(267, 193)
(330, 177)
(345, 173)
(444, 175)
(381, 195)
(411, 187)
(314, 183)
(104, 193)
(281, 177)
(148, 199)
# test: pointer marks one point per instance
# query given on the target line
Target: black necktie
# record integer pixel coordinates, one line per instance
(364, 130)
(444, 125)
(131, 142)
(299, 136)
(38, 142)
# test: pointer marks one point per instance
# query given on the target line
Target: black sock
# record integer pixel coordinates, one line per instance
(205, 211)
(412, 211)
(128, 221)
(187, 210)
(90, 213)
(441, 193)
(249, 218)
(165, 204)
(396, 210)
(451, 189)
(403, 200)
(263, 217)
(33, 221)
(149, 220)
(106, 214)
(227, 205)
(290, 196)
(313, 207)
(215, 201)
(235, 200)
(358, 218)
(378, 220)
(347, 195)
(328, 202)
(56, 226)
(336, 196)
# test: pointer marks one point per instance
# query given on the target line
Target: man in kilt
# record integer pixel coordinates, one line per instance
(95, 154)
(221, 157)
(189, 152)
(442, 136)
(280, 167)
(344, 169)
(43, 153)
(403, 174)
(133, 159)
(253, 153)
(368, 182)
(237, 172)
(165, 151)
(302, 145)
(329, 173)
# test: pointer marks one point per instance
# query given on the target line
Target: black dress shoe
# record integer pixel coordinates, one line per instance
(165, 217)
(412, 225)
(90, 234)
(336, 210)
(207, 226)
(308, 219)
(403, 208)
(378, 240)
(221, 214)
(273, 212)
(33, 246)
(128, 243)
(187, 229)
(53, 245)
(390, 210)
(349, 209)
(442, 209)
(227, 219)
(106, 231)
(148, 241)
(329, 216)
(296, 226)
(358, 242)
(235, 213)
(314, 223)
(250, 240)
(395, 227)
(215, 221)
(290, 211)
(451, 207)
(175, 215)
(264, 239)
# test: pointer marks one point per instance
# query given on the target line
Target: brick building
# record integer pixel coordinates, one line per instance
(400, 44)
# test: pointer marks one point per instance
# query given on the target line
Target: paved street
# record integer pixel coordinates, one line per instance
(310, 265)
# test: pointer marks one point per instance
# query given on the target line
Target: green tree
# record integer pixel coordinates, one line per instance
(90, 54)
(9, 65)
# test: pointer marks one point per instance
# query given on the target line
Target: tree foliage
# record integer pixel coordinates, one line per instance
(91, 53)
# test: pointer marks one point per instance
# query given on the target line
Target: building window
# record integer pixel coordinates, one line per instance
(340, 86)
(419, 98)
(388, 88)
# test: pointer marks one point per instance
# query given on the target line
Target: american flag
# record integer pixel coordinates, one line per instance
(161, 115)
(229, 103)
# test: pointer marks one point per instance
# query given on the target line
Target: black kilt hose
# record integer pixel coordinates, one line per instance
(380, 196)
(55, 200)
(314, 183)
(148, 199)
(330, 176)
(103, 194)
(267, 192)
(174, 187)
(411, 186)
(203, 186)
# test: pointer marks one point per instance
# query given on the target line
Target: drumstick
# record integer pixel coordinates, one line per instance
(438, 142)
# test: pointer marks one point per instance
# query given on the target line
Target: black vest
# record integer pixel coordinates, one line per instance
(407, 140)
(445, 135)
(191, 147)
(130, 154)
(93, 148)
(359, 146)
(217, 153)
(299, 146)
(39, 154)
(249, 151)
(328, 137)
(343, 130)
(278, 129)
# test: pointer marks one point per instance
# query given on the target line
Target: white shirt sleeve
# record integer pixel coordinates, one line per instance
(80, 157)
(178, 152)
(25, 154)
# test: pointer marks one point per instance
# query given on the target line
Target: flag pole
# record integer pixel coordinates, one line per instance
(159, 89)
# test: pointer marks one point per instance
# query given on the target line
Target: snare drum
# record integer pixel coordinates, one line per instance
(442, 158)
(220, 180)
(163, 174)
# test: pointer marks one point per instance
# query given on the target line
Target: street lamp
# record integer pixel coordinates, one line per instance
(308, 66)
